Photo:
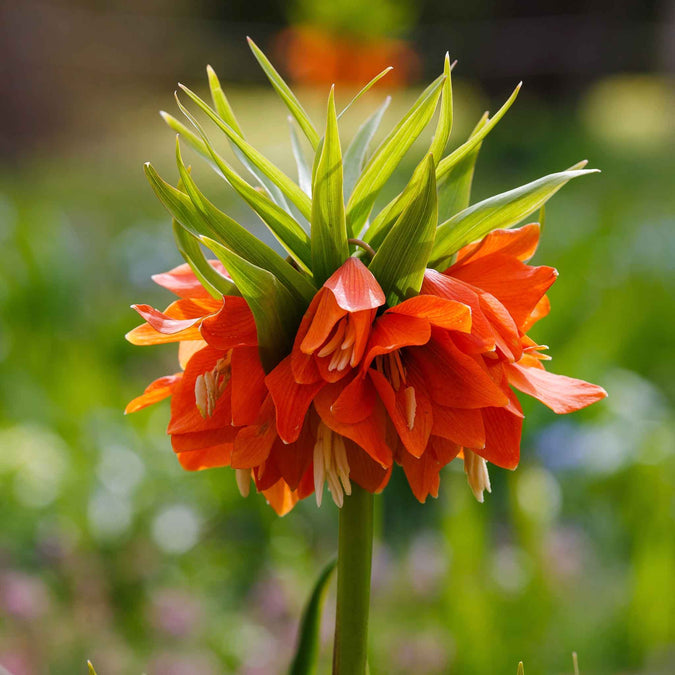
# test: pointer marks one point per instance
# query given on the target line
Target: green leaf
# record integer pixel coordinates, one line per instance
(521, 669)
(307, 650)
(276, 312)
(454, 187)
(241, 241)
(91, 668)
(388, 155)
(501, 211)
(356, 152)
(401, 260)
(287, 186)
(216, 284)
(374, 81)
(463, 150)
(220, 102)
(304, 172)
(286, 95)
(329, 231)
(191, 138)
(444, 126)
(284, 227)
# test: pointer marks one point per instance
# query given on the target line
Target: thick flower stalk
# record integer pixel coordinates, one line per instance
(396, 337)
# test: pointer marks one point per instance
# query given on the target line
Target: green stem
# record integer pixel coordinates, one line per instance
(355, 552)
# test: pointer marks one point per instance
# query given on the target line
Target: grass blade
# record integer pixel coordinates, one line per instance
(374, 81)
(444, 126)
(304, 172)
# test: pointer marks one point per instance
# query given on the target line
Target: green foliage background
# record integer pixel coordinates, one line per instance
(109, 551)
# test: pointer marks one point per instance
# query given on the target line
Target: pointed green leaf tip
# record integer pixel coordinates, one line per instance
(91, 668)
(521, 669)
(329, 231)
(401, 260)
(307, 651)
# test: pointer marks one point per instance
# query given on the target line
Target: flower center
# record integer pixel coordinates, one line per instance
(391, 366)
(331, 465)
(340, 345)
(209, 386)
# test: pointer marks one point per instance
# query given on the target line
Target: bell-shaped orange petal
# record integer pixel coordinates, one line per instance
(182, 281)
(541, 310)
(354, 287)
(206, 458)
(521, 243)
(248, 385)
(438, 311)
(502, 437)
(455, 379)
(463, 426)
(393, 331)
(232, 326)
(291, 400)
(281, 498)
(356, 402)
(253, 443)
(364, 471)
(156, 391)
(560, 393)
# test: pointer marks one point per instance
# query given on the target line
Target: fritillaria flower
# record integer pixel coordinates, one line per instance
(378, 338)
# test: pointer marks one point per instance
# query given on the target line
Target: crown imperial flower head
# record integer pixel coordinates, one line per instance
(382, 338)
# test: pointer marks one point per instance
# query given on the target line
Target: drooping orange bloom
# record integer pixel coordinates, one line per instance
(221, 388)
(506, 297)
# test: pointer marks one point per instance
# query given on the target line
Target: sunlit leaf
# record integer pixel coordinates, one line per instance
(220, 102)
(454, 187)
(91, 668)
(463, 150)
(501, 211)
(356, 152)
(388, 155)
(286, 95)
(329, 233)
(190, 137)
(307, 649)
(374, 81)
(444, 125)
(287, 230)
(304, 172)
(241, 241)
(288, 187)
(401, 260)
(276, 312)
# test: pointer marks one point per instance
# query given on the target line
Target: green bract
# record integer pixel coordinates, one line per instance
(328, 214)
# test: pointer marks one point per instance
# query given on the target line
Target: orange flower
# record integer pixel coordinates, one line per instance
(221, 388)
(506, 297)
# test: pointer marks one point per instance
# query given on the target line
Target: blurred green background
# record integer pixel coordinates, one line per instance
(109, 551)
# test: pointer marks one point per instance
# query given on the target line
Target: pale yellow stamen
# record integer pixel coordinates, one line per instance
(331, 465)
(209, 386)
(243, 477)
(410, 406)
(340, 347)
(477, 475)
(391, 366)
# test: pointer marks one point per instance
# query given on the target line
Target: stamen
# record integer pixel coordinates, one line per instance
(201, 395)
(243, 477)
(350, 334)
(335, 341)
(410, 406)
(209, 386)
(331, 466)
(477, 475)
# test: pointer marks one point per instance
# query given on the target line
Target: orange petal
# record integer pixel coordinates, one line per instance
(482, 336)
(502, 437)
(323, 319)
(560, 393)
(182, 281)
(541, 309)
(187, 349)
(394, 331)
(444, 450)
(248, 385)
(293, 460)
(439, 311)
(520, 243)
(453, 378)
(281, 498)
(364, 471)
(369, 433)
(156, 391)
(423, 474)
(356, 402)
(461, 425)
(207, 458)
(291, 400)
(415, 440)
(507, 335)
(354, 287)
(232, 326)
(253, 443)
(519, 287)
(199, 440)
